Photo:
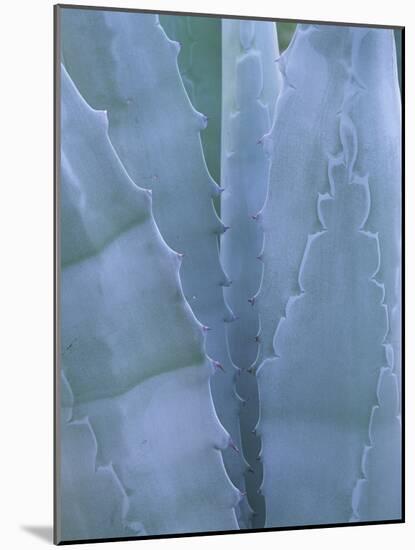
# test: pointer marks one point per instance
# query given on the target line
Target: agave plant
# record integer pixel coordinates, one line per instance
(230, 353)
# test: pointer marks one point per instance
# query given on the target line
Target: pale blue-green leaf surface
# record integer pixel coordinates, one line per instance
(200, 65)
(317, 393)
(377, 495)
(377, 114)
(305, 130)
(250, 88)
(156, 133)
(320, 370)
(92, 502)
(132, 352)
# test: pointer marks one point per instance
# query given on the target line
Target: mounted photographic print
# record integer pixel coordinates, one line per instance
(228, 274)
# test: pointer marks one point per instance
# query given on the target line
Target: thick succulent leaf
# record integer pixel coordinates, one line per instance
(377, 112)
(304, 132)
(91, 501)
(250, 87)
(377, 115)
(332, 339)
(103, 226)
(132, 351)
(171, 468)
(83, 513)
(377, 495)
(156, 133)
(200, 67)
(317, 393)
(266, 41)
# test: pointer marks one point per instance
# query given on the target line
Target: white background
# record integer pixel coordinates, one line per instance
(26, 306)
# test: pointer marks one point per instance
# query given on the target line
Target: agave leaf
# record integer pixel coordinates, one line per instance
(316, 395)
(156, 133)
(200, 67)
(377, 113)
(92, 502)
(377, 495)
(320, 370)
(304, 132)
(132, 350)
(250, 88)
(83, 513)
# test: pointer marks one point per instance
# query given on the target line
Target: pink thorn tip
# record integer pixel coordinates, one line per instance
(242, 493)
(233, 446)
(217, 365)
(205, 328)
